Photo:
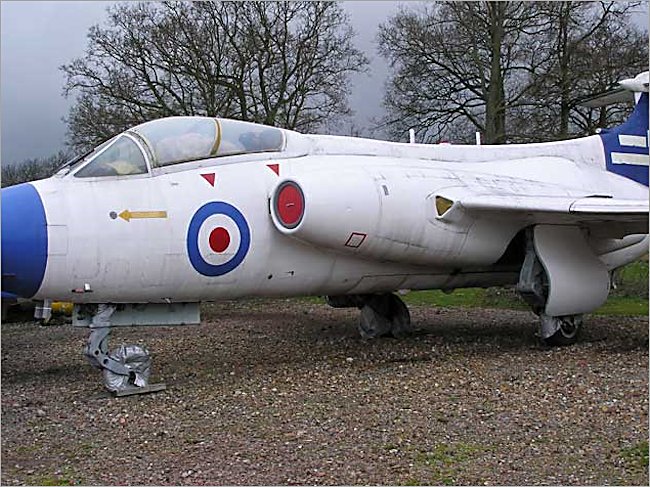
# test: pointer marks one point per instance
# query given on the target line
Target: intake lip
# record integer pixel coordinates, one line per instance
(288, 205)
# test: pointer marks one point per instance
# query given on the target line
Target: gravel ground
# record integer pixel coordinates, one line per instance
(284, 392)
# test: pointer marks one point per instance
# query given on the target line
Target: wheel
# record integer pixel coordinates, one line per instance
(384, 315)
(373, 324)
(400, 318)
(567, 332)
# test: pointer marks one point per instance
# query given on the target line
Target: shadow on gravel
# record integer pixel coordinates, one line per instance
(321, 335)
(244, 337)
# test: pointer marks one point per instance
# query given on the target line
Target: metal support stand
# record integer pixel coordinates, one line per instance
(43, 312)
(381, 314)
(384, 315)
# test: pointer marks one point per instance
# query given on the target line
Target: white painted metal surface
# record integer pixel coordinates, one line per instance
(578, 281)
(208, 229)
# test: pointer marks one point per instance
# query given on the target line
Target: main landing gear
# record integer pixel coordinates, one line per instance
(560, 330)
(533, 287)
(381, 314)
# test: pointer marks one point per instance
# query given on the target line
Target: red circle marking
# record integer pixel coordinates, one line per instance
(290, 205)
(219, 239)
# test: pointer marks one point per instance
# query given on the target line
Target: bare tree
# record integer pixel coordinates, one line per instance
(513, 70)
(455, 65)
(278, 63)
(32, 169)
(591, 45)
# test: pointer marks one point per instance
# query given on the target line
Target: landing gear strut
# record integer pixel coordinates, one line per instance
(381, 314)
(533, 288)
(126, 369)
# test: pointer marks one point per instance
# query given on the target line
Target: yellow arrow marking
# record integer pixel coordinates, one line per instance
(128, 215)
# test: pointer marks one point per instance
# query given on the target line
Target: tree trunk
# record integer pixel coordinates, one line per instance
(564, 60)
(495, 113)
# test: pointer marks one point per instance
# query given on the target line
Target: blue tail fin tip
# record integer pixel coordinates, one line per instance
(626, 146)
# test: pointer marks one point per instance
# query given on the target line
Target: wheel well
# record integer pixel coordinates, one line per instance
(515, 252)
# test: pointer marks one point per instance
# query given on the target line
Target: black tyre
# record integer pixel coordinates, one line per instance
(567, 333)
(384, 315)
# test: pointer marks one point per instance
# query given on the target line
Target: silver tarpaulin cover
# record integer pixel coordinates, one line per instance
(137, 360)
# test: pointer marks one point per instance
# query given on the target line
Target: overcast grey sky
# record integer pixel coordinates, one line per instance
(38, 37)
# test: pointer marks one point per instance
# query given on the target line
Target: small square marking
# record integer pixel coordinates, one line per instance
(355, 240)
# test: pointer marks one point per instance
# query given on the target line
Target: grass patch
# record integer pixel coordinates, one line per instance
(413, 482)
(467, 298)
(50, 480)
(447, 455)
(624, 306)
(445, 461)
(26, 449)
(506, 299)
(632, 280)
(636, 457)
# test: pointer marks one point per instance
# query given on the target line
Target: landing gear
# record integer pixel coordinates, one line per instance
(126, 369)
(533, 287)
(384, 315)
(560, 330)
(381, 314)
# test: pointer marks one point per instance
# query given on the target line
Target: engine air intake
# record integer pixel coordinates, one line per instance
(289, 204)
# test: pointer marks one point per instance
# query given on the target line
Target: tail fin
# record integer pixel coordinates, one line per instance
(626, 146)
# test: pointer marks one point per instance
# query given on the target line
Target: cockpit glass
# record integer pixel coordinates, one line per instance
(180, 139)
(121, 158)
(243, 137)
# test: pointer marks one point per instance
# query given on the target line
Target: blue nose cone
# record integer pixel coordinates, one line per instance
(24, 240)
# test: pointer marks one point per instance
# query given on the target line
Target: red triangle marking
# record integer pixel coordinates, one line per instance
(209, 178)
(275, 168)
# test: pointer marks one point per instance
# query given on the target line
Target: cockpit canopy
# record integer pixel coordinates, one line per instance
(176, 140)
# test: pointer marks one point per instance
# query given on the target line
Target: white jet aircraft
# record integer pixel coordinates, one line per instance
(187, 209)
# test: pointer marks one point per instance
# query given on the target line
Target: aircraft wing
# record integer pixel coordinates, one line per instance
(602, 214)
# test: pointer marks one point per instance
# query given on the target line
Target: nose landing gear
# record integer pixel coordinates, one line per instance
(126, 369)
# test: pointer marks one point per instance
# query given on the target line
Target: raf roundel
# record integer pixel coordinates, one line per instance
(218, 239)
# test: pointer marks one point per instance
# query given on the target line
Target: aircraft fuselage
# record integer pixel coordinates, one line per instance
(370, 223)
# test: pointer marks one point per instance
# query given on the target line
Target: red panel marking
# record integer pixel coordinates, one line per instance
(219, 239)
(209, 177)
(290, 205)
(275, 168)
(355, 240)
